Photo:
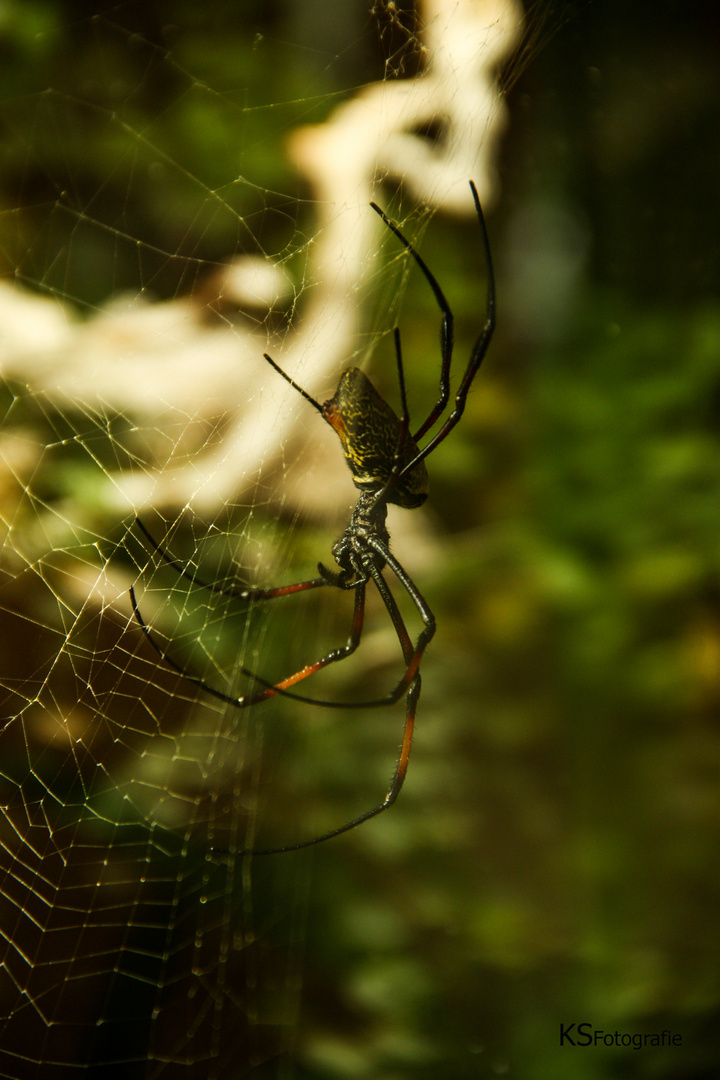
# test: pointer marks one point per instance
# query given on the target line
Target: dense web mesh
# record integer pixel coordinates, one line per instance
(168, 217)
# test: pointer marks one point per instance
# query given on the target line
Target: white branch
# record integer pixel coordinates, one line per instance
(161, 363)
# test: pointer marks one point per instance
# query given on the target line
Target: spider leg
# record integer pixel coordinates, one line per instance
(295, 386)
(395, 470)
(232, 593)
(392, 793)
(447, 333)
(412, 654)
(476, 356)
(410, 682)
(270, 689)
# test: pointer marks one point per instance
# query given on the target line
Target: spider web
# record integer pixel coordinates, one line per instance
(168, 217)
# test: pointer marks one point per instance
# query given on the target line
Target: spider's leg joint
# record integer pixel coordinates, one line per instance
(341, 579)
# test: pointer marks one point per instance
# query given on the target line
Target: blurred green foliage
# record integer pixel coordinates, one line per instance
(554, 855)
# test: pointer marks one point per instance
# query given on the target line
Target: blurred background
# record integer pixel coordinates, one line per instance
(553, 857)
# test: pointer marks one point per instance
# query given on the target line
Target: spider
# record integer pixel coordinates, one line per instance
(387, 466)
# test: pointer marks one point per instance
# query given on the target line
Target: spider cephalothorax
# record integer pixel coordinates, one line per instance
(388, 466)
(356, 549)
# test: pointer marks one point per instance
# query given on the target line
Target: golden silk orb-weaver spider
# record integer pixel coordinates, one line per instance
(387, 464)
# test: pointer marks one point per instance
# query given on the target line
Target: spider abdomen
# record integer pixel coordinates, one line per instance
(370, 433)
